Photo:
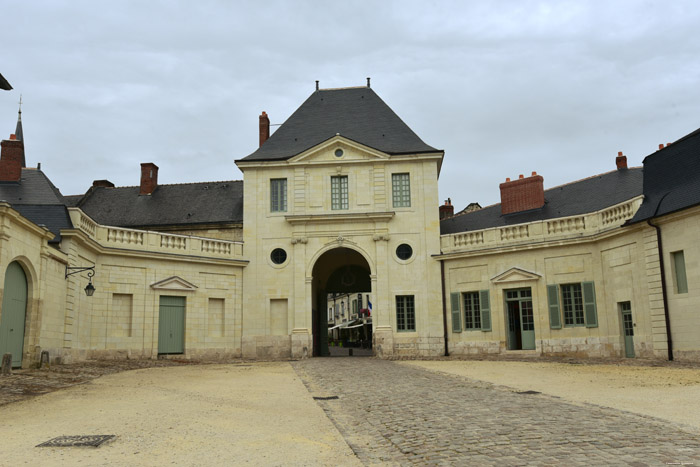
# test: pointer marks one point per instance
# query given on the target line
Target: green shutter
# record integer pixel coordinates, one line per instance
(456, 321)
(553, 300)
(589, 306)
(485, 306)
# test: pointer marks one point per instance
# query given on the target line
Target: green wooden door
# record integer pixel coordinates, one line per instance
(627, 328)
(14, 308)
(171, 325)
(527, 324)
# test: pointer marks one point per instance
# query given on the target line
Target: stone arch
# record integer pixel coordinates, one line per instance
(351, 246)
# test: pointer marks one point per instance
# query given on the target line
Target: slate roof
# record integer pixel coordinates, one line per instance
(181, 204)
(671, 179)
(37, 199)
(358, 114)
(576, 198)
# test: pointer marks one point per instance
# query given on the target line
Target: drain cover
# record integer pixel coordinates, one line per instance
(529, 392)
(94, 441)
(328, 398)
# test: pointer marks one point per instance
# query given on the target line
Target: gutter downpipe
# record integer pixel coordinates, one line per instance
(663, 280)
(444, 306)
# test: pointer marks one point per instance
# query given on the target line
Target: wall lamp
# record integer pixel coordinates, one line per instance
(89, 289)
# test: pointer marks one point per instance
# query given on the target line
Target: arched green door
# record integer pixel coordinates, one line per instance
(12, 315)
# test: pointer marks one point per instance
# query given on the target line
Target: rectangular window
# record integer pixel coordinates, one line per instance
(405, 313)
(401, 190)
(278, 195)
(339, 192)
(472, 311)
(679, 271)
(572, 303)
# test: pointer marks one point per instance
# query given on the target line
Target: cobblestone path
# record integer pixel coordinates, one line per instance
(396, 414)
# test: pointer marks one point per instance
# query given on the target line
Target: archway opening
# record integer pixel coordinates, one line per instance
(342, 297)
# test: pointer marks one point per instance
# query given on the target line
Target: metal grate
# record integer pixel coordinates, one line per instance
(528, 392)
(328, 398)
(75, 441)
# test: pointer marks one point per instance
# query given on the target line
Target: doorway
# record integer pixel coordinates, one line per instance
(520, 319)
(627, 328)
(14, 311)
(341, 279)
(171, 325)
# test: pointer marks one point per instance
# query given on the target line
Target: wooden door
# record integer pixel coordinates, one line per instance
(171, 325)
(627, 328)
(527, 324)
(13, 313)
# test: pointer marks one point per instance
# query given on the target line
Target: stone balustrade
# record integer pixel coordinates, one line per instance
(151, 241)
(542, 231)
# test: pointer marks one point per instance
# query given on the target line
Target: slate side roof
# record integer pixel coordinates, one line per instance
(576, 198)
(358, 114)
(671, 179)
(37, 199)
(181, 204)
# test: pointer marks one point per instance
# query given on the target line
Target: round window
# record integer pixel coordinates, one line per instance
(278, 256)
(404, 251)
(338, 153)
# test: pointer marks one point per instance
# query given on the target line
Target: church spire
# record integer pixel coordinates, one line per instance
(18, 131)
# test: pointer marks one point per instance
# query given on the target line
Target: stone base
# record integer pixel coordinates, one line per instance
(383, 341)
(266, 347)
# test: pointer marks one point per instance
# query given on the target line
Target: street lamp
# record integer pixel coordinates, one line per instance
(89, 289)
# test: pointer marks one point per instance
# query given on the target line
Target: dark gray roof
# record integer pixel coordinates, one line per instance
(37, 199)
(182, 204)
(671, 179)
(72, 200)
(358, 114)
(580, 197)
(4, 84)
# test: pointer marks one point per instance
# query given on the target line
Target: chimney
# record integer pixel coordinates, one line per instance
(107, 183)
(264, 128)
(621, 161)
(447, 210)
(11, 157)
(522, 194)
(149, 178)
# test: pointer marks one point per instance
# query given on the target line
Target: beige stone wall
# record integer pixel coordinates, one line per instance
(680, 232)
(616, 260)
(371, 226)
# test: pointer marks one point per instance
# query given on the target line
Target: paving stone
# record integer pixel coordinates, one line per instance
(413, 416)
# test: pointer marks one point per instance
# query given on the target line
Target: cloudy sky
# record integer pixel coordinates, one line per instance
(503, 87)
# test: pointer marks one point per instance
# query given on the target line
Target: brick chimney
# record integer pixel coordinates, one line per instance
(447, 210)
(264, 128)
(149, 178)
(106, 183)
(621, 161)
(523, 194)
(11, 157)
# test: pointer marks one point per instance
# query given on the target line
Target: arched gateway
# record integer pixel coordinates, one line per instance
(340, 276)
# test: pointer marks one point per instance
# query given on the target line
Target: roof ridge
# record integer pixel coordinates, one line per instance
(345, 87)
(180, 184)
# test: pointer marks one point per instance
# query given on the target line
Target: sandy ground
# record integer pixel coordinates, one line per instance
(257, 414)
(671, 394)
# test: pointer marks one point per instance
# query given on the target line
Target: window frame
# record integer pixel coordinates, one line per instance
(578, 315)
(555, 305)
(400, 191)
(340, 196)
(278, 195)
(474, 309)
(680, 276)
(405, 313)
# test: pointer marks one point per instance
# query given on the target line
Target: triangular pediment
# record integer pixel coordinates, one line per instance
(515, 274)
(338, 150)
(174, 283)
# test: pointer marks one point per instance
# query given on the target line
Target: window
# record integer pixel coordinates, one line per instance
(405, 313)
(680, 279)
(572, 304)
(578, 303)
(401, 190)
(477, 311)
(278, 195)
(354, 308)
(472, 313)
(278, 256)
(330, 314)
(339, 192)
(404, 252)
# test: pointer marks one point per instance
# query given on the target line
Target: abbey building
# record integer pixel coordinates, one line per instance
(342, 200)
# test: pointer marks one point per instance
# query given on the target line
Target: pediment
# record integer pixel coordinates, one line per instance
(325, 153)
(515, 274)
(174, 283)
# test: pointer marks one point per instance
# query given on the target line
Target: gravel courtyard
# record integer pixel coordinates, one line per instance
(386, 413)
